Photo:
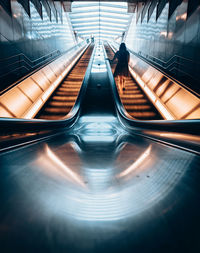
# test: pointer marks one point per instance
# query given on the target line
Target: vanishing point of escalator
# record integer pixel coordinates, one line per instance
(133, 98)
(64, 97)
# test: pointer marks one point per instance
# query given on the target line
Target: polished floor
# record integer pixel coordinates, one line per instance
(97, 188)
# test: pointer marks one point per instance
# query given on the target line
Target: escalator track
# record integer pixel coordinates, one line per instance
(133, 98)
(64, 97)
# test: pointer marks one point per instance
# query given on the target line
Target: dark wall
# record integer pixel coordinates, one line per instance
(172, 44)
(29, 42)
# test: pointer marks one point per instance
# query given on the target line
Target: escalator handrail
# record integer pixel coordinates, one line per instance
(160, 70)
(191, 126)
(40, 67)
(16, 124)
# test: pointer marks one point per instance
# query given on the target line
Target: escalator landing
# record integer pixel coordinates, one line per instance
(98, 189)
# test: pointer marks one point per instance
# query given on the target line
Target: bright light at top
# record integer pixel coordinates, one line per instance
(104, 16)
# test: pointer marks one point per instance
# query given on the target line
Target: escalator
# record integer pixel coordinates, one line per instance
(98, 187)
(64, 97)
(133, 98)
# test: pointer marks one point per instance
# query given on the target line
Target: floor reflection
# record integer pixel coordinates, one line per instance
(100, 173)
(96, 188)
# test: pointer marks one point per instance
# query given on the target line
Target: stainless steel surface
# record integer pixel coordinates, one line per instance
(97, 188)
(27, 43)
(172, 44)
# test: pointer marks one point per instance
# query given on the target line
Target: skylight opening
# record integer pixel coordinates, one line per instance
(86, 28)
(103, 20)
(89, 3)
(101, 31)
(96, 13)
(82, 24)
(102, 8)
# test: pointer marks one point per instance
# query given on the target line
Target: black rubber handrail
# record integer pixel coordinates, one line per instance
(191, 126)
(9, 125)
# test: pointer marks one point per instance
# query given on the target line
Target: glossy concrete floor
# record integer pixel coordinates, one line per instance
(96, 188)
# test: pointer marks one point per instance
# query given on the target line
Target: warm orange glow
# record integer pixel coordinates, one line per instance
(171, 100)
(27, 98)
(31, 113)
(182, 103)
(187, 137)
(166, 114)
(150, 94)
(155, 100)
(182, 17)
(164, 34)
(16, 102)
(170, 35)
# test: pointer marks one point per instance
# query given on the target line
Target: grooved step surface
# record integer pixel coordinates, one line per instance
(133, 98)
(64, 97)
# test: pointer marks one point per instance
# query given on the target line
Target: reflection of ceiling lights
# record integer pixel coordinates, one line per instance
(108, 197)
(56, 160)
(137, 163)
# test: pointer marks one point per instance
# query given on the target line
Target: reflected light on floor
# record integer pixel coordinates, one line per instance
(137, 163)
(98, 129)
(64, 167)
(94, 119)
(106, 195)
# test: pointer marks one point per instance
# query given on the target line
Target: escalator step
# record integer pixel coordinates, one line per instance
(134, 108)
(143, 114)
(68, 89)
(66, 93)
(59, 110)
(133, 98)
(61, 103)
(64, 97)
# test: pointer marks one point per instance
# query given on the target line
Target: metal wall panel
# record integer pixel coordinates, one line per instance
(192, 6)
(6, 5)
(160, 7)
(47, 8)
(26, 6)
(172, 45)
(38, 6)
(145, 9)
(173, 4)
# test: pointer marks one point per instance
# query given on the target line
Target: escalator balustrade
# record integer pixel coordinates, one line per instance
(133, 98)
(64, 97)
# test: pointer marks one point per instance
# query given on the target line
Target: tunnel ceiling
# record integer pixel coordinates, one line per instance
(104, 20)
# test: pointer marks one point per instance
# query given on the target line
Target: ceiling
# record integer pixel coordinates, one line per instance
(101, 20)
